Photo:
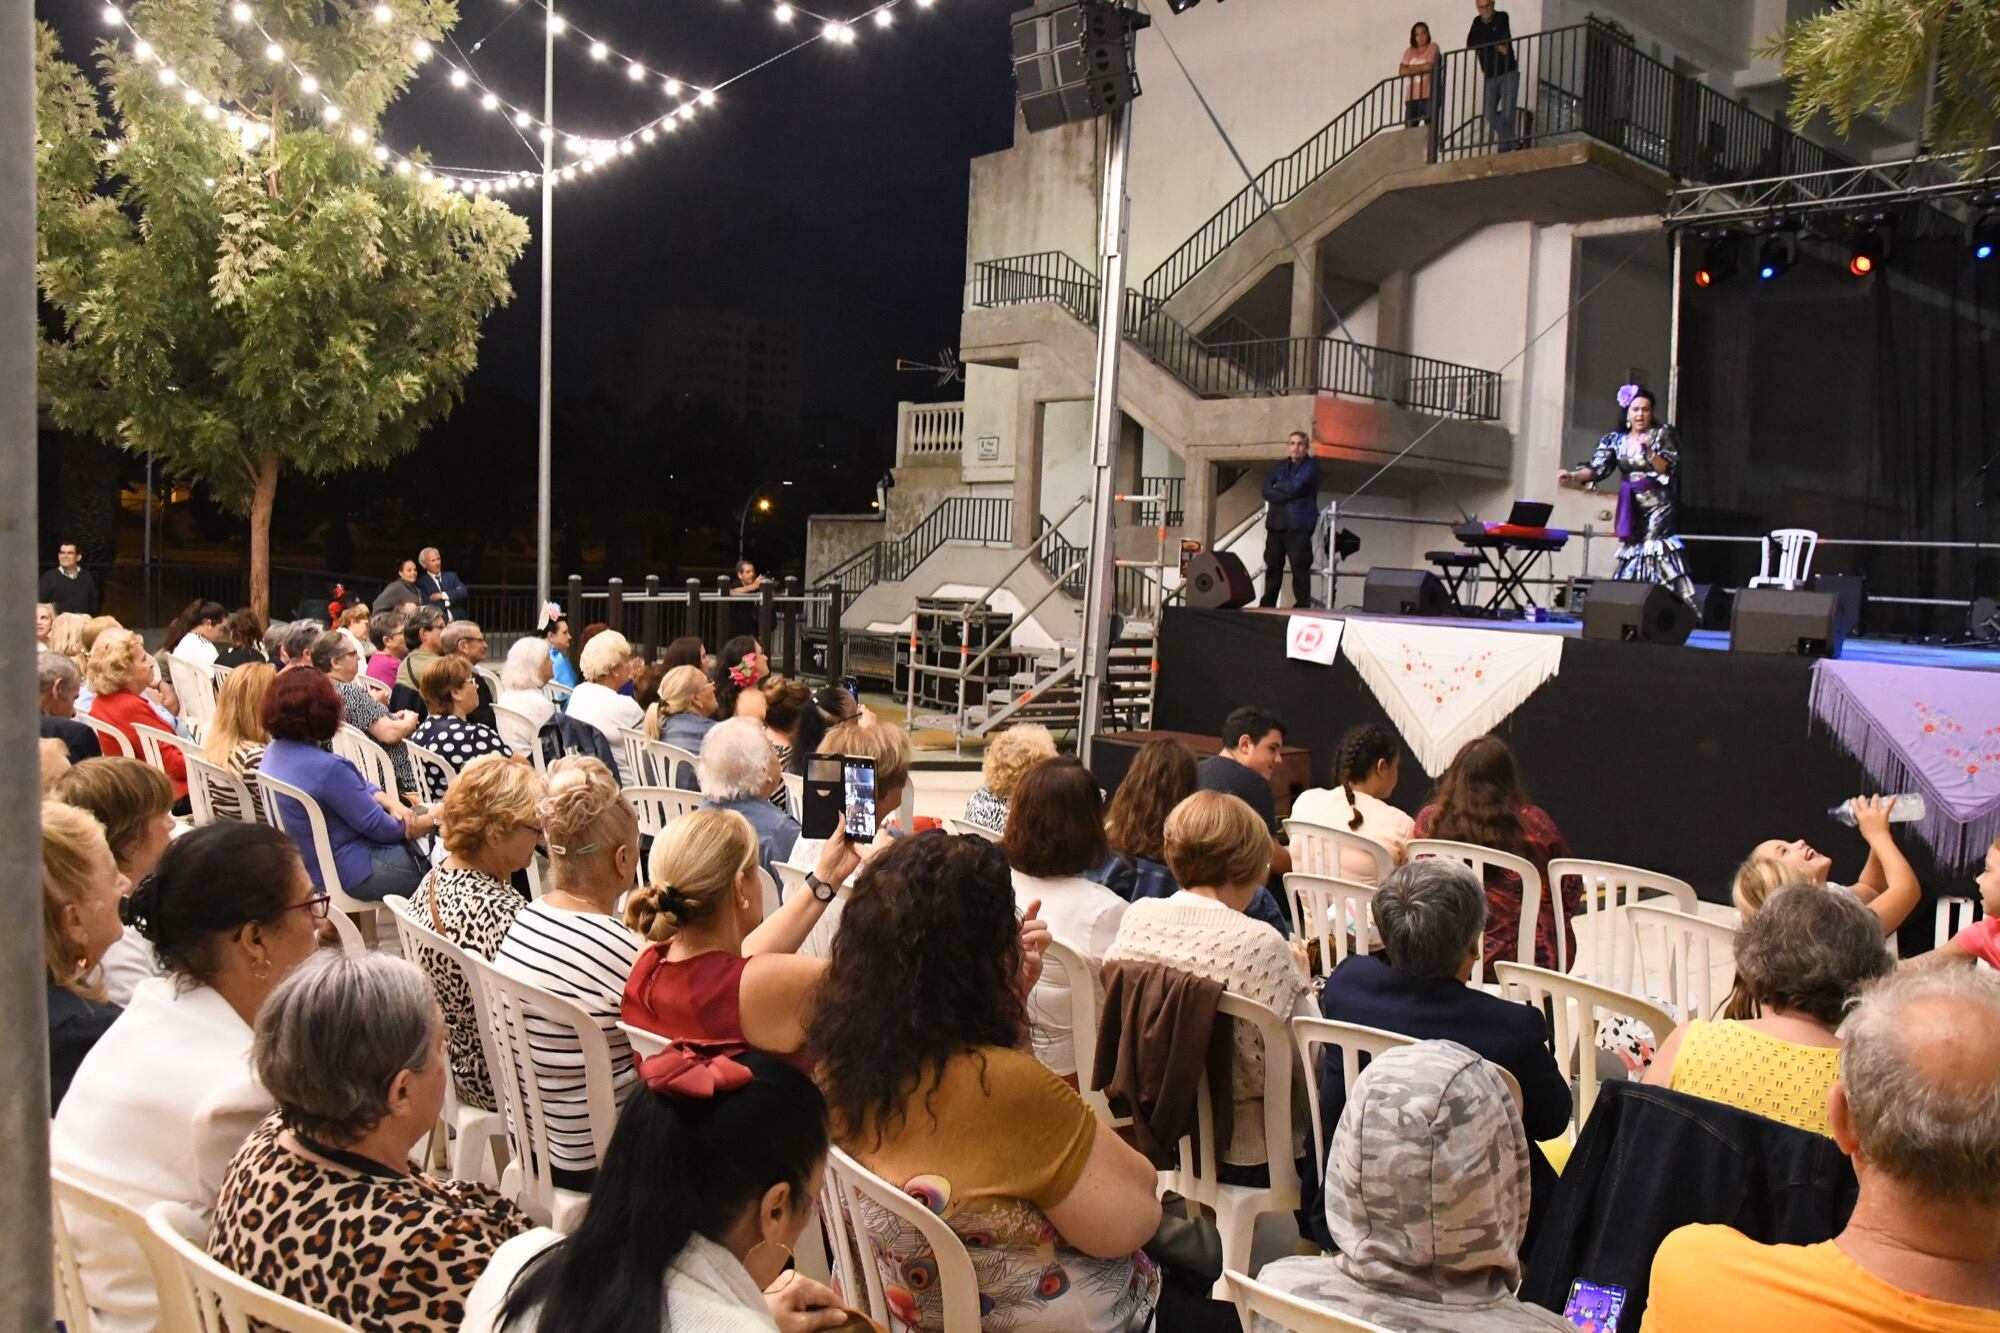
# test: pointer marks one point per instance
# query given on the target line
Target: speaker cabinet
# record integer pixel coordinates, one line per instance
(1850, 590)
(1403, 592)
(1217, 581)
(1780, 620)
(1623, 609)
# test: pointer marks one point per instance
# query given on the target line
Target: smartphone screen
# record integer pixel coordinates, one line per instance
(1594, 1308)
(858, 782)
(819, 811)
(853, 684)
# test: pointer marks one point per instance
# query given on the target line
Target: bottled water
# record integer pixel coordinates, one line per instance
(1903, 809)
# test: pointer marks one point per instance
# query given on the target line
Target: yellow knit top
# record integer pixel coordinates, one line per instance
(1768, 1076)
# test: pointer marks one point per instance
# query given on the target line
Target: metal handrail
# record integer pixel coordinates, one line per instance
(1030, 551)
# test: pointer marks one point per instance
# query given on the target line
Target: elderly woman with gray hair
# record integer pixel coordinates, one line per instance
(352, 1050)
(739, 771)
(1801, 960)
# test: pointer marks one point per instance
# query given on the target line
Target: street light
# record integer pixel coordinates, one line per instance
(763, 503)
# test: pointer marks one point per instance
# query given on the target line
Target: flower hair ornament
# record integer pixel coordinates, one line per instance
(695, 1070)
(551, 613)
(745, 673)
(1626, 393)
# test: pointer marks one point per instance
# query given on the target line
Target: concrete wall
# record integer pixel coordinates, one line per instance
(1039, 195)
(1066, 471)
(990, 414)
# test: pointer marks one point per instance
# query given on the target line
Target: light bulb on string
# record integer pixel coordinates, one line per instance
(708, 97)
(191, 97)
(459, 78)
(598, 50)
(783, 13)
(883, 18)
(488, 102)
(113, 15)
(330, 114)
(143, 50)
(308, 85)
(647, 135)
(274, 53)
(522, 120)
(557, 23)
(383, 13)
(211, 112)
(635, 71)
(168, 78)
(672, 87)
(420, 49)
(357, 136)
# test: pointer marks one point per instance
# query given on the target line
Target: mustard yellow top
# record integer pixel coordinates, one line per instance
(1742, 1067)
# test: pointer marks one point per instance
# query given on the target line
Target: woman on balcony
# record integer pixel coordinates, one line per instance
(1419, 63)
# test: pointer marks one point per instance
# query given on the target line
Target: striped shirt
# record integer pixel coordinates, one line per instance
(584, 957)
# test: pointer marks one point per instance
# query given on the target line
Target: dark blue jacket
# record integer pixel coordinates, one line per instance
(448, 583)
(1138, 878)
(1292, 490)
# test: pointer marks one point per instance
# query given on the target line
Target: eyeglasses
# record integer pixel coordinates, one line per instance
(320, 905)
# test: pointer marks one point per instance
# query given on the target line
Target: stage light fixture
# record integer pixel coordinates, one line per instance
(1868, 250)
(1719, 253)
(1074, 60)
(1982, 234)
(1777, 254)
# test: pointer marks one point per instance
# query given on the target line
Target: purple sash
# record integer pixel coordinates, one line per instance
(1631, 525)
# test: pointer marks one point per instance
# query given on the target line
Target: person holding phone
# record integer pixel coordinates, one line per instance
(888, 749)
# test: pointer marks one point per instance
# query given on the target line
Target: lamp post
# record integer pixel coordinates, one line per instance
(743, 523)
(544, 420)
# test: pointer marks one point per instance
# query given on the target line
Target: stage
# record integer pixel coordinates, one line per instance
(1678, 759)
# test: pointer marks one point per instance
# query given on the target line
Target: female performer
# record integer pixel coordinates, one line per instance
(1649, 456)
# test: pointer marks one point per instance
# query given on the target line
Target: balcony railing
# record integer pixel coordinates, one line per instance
(929, 432)
(1169, 511)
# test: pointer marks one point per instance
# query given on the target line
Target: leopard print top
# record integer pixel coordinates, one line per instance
(383, 1254)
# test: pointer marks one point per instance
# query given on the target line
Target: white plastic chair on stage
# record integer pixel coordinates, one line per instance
(110, 740)
(1795, 556)
(478, 1143)
(1254, 1300)
(1575, 1033)
(1481, 859)
(1339, 913)
(72, 1196)
(224, 1301)
(1321, 849)
(1604, 945)
(1684, 957)
(850, 1195)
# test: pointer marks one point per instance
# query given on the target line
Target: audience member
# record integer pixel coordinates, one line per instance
(739, 771)
(402, 592)
(1491, 39)
(646, 679)
(423, 644)
(462, 638)
(337, 658)
(1055, 837)
(194, 634)
(714, 969)
(489, 823)
(606, 664)
(385, 629)
(1008, 756)
(1253, 750)
(300, 636)
(1980, 941)
(572, 943)
(1427, 1201)
(236, 737)
(527, 668)
(1219, 851)
(69, 587)
(134, 802)
(45, 621)
(748, 580)
(369, 830)
(53, 758)
(889, 748)
(120, 671)
(743, 1138)
(167, 1095)
(66, 636)
(688, 650)
(1480, 800)
(58, 680)
(921, 1057)
(246, 639)
(272, 642)
(1419, 62)
(353, 624)
(351, 1048)
(451, 694)
(1801, 958)
(1366, 768)
(831, 706)
(1917, 1111)
(1888, 884)
(1162, 775)
(556, 639)
(438, 586)
(739, 668)
(683, 716)
(81, 890)
(786, 702)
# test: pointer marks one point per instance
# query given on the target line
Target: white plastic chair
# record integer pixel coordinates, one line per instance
(357, 747)
(1481, 859)
(638, 770)
(110, 740)
(658, 807)
(1085, 1002)
(154, 742)
(645, 1045)
(435, 773)
(1686, 958)
(1953, 915)
(967, 829)
(1354, 1041)
(70, 1195)
(1575, 1033)
(1254, 1300)
(1795, 556)
(1321, 849)
(1196, 1176)
(518, 730)
(317, 843)
(557, 694)
(1605, 944)
(224, 1301)
(1339, 912)
(478, 1137)
(194, 684)
(207, 782)
(795, 795)
(866, 1215)
(668, 760)
(509, 1000)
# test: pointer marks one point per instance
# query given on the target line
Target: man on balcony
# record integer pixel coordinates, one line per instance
(1492, 39)
(1292, 508)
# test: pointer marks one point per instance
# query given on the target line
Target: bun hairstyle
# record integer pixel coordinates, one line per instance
(212, 882)
(583, 815)
(1360, 750)
(694, 868)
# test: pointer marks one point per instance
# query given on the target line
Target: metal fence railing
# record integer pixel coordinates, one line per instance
(1169, 510)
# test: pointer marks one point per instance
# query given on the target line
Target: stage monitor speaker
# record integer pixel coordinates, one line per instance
(1850, 589)
(1634, 612)
(1403, 592)
(1217, 581)
(1780, 620)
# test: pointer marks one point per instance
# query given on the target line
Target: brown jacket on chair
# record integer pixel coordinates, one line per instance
(1156, 1037)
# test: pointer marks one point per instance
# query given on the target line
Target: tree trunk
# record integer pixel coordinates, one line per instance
(262, 500)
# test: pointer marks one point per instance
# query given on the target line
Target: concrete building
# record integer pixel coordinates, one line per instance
(752, 364)
(1484, 304)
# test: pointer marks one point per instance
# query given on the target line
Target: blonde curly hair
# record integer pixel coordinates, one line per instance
(1012, 753)
(491, 797)
(694, 868)
(583, 814)
(114, 662)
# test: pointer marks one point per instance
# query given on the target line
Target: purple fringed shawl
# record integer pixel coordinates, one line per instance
(1931, 730)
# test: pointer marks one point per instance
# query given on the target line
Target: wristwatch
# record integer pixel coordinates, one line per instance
(820, 888)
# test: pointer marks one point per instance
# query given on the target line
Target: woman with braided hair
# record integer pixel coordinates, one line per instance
(1365, 771)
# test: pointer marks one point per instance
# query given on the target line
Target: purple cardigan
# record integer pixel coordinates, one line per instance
(347, 799)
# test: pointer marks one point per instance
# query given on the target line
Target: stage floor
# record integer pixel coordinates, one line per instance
(1893, 651)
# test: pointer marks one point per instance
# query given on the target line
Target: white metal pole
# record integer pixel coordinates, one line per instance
(1100, 591)
(1674, 339)
(543, 447)
(25, 1300)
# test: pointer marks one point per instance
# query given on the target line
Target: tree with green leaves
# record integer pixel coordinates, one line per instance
(1873, 56)
(238, 286)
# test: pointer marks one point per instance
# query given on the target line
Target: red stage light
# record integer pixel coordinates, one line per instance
(1702, 277)
(1861, 266)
